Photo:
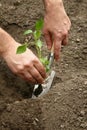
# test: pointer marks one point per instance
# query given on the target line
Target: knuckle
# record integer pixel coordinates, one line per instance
(35, 61)
(42, 69)
(28, 64)
(65, 33)
(39, 78)
(19, 69)
(37, 75)
(32, 80)
(43, 72)
(57, 48)
(29, 78)
(60, 34)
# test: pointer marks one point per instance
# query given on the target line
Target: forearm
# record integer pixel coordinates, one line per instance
(5, 41)
(49, 4)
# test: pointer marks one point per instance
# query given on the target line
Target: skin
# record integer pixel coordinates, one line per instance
(27, 65)
(56, 25)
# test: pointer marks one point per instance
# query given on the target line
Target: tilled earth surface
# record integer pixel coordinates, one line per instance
(65, 105)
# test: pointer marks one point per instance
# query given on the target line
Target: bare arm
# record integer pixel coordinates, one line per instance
(49, 3)
(5, 41)
(26, 65)
(56, 25)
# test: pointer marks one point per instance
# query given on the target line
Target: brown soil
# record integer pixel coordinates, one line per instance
(65, 105)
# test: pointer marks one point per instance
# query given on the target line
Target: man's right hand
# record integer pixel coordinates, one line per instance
(56, 25)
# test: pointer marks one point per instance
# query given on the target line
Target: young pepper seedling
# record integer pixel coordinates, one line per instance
(37, 33)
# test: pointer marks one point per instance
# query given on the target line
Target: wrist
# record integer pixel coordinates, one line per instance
(50, 4)
(5, 42)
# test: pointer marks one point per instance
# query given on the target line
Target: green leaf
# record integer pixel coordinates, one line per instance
(47, 68)
(21, 49)
(39, 43)
(37, 34)
(39, 24)
(45, 62)
(28, 32)
(42, 61)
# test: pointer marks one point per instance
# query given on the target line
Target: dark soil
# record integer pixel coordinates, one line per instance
(65, 105)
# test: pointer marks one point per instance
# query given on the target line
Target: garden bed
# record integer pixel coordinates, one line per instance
(65, 105)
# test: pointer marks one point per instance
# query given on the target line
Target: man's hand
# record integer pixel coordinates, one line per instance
(26, 65)
(56, 25)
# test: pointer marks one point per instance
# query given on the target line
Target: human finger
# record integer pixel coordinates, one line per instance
(48, 39)
(57, 47)
(36, 75)
(28, 77)
(40, 68)
(65, 41)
